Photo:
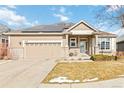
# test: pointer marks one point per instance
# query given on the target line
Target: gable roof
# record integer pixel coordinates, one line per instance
(85, 23)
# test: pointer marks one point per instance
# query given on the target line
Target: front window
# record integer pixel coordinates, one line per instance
(73, 42)
(104, 43)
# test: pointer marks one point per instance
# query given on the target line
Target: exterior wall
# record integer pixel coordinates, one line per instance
(44, 51)
(81, 29)
(16, 41)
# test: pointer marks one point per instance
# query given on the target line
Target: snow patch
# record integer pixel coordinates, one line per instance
(93, 79)
(63, 80)
(121, 75)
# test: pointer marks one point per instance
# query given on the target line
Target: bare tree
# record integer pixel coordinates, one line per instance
(110, 14)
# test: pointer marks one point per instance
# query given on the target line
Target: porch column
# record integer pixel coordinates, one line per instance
(66, 46)
(90, 45)
(96, 45)
(93, 45)
(66, 41)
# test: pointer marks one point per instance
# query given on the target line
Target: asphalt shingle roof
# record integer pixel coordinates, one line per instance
(59, 27)
(105, 33)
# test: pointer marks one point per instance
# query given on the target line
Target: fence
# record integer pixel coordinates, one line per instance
(4, 52)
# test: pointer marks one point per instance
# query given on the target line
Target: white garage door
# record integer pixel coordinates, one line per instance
(44, 49)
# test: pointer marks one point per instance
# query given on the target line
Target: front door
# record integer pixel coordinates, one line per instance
(82, 46)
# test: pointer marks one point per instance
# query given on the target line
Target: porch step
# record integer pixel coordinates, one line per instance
(84, 56)
(80, 57)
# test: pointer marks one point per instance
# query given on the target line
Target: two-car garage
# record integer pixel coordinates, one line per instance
(39, 49)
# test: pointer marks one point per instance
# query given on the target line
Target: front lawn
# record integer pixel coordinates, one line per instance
(78, 72)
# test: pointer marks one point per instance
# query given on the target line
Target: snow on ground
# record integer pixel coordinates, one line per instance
(121, 75)
(66, 80)
(63, 80)
(93, 79)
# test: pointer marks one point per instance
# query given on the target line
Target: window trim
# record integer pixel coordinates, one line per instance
(73, 41)
(100, 41)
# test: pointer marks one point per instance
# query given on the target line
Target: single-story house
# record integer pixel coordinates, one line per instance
(60, 40)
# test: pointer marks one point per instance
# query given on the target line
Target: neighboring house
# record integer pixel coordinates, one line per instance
(120, 43)
(3, 38)
(59, 40)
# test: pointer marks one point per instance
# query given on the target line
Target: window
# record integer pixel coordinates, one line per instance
(104, 43)
(7, 43)
(73, 42)
(3, 40)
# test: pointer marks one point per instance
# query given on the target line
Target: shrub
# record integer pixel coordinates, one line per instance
(101, 57)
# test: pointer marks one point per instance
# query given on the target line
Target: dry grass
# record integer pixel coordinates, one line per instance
(87, 70)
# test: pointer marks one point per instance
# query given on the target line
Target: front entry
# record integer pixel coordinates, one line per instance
(82, 46)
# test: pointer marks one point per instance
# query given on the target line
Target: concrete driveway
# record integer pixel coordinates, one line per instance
(30, 73)
(24, 73)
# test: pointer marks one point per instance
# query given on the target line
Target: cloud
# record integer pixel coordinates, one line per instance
(62, 13)
(61, 17)
(11, 6)
(13, 19)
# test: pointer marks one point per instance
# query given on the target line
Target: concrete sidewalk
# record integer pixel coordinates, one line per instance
(24, 73)
(114, 83)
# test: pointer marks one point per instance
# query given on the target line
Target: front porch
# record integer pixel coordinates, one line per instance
(81, 45)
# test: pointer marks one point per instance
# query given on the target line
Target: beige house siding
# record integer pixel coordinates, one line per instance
(15, 40)
(36, 51)
(81, 26)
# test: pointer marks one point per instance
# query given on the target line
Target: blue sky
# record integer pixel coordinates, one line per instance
(30, 15)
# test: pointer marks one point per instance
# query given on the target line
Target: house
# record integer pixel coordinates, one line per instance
(60, 40)
(3, 38)
(120, 43)
(3, 41)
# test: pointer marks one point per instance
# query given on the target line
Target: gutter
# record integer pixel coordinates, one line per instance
(12, 34)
